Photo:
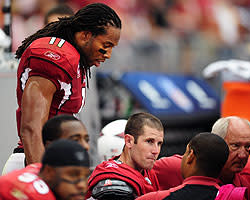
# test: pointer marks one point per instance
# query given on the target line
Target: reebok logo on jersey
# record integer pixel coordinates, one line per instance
(113, 165)
(52, 55)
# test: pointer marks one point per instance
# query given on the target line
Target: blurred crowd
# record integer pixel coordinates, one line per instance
(170, 36)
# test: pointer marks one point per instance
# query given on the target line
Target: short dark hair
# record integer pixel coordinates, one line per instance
(138, 121)
(211, 153)
(52, 128)
(61, 9)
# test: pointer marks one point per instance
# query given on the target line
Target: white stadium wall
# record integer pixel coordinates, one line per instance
(8, 105)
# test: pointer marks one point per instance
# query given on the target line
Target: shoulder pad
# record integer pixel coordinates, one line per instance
(113, 189)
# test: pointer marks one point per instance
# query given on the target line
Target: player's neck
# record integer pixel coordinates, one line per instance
(127, 159)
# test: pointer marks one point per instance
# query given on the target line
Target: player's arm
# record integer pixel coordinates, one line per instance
(109, 189)
(36, 102)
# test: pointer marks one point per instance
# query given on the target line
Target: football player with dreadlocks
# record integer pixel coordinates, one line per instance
(54, 70)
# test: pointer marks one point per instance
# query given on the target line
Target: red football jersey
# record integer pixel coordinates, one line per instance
(25, 184)
(58, 61)
(141, 184)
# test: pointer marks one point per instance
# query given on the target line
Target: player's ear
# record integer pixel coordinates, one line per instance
(82, 37)
(129, 140)
(191, 156)
(48, 173)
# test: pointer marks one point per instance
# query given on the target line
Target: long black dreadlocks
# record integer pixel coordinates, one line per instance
(93, 18)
